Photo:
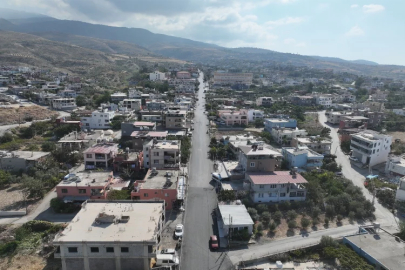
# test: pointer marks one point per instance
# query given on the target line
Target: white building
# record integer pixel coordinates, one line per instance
(64, 104)
(112, 235)
(117, 97)
(325, 101)
(371, 148)
(223, 78)
(134, 94)
(334, 117)
(401, 190)
(399, 111)
(98, 120)
(132, 104)
(234, 218)
(255, 114)
(283, 136)
(395, 166)
(276, 186)
(264, 101)
(157, 76)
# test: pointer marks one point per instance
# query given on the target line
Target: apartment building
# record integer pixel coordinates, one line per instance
(157, 76)
(335, 117)
(128, 128)
(139, 138)
(132, 104)
(276, 186)
(283, 136)
(162, 154)
(100, 155)
(155, 105)
(67, 93)
(108, 235)
(370, 148)
(64, 104)
(134, 94)
(117, 97)
(324, 100)
(222, 78)
(395, 166)
(264, 101)
(21, 160)
(353, 122)
(302, 100)
(302, 157)
(258, 158)
(98, 120)
(271, 123)
(231, 117)
(319, 145)
(176, 119)
(255, 114)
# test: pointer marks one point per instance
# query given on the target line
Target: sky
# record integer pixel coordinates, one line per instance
(369, 30)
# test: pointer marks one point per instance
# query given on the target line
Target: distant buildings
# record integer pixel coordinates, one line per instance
(98, 120)
(157, 76)
(283, 136)
(112, 235)
(395, 166)
(117, 97)
(255, 114)
(132, 104)
(231, 117)
(176, 119)
(64, 104)
(319, 145)
(302, 100)
(183, 75)
(271, 123)
(222, 78)
(264, 101)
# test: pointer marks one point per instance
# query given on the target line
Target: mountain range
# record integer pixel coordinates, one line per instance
(138, 41)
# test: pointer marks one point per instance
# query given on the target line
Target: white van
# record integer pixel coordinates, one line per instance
(166, 259)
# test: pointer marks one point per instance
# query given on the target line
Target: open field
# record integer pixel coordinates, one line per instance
(24, 114)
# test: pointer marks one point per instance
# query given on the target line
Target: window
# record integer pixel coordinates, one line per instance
(145, 194)
(147, 155)
(72, 249)
(300, 194)
(64, 190)
(155, 154)
(89, 155)
(252, 164)
(82, 191)
(94, 250)
(156, 162)
(150, 249)
(109, 249)
(260, 195)
(124, 249)
(282, 185)
(282, 194)
(261, 186)
(273, 186)
(166, 194)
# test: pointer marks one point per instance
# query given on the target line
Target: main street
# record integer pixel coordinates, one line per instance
(201, 200)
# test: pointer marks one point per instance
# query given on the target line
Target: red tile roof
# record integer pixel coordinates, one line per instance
(276, 177)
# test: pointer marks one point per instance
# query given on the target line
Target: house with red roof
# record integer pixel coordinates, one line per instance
(276, 186)
(100, 155)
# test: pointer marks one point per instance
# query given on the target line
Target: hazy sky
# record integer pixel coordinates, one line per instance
(370, 30)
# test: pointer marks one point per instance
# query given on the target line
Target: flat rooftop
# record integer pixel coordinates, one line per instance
(276, 177)
(142, 219)
(143, 133)
(167, 145)
(144, 124)
(301, 151)
(160, 179)
(381, 246)
(306, 140)
(355, 118)
(28, 155)
(279, 120)
(86, 178)
(249, 151)
(102, 148)
(235, 215)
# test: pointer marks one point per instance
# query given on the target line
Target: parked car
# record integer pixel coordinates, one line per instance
(353, 159)
(179, 230)
(338, 173)
(168, 251)
(214, 242)
(190, 134)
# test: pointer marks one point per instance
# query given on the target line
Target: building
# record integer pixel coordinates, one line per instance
(335, 117)
(234, 117)
(134, 94)
(400, 195)
(132, 104)
(222, 78)
(117, 97)
(258, 158)
(353, 122)
(303, 158)
(382, 250)
(127, 160)
(255, 114)
(155, 105)
(158, 184)
(284, 136)
(302, 100)
(325, 101)
(64, 104)
(183, 75)
(162, 154)
(67, 93)
(21, 160)
(271, 123)
(264, 101)
(98, 120)
(112, 235)
(82, 140)
(176, 119)
(128, 128)
(370, 148)
(395, 166)
(139, 138)
(157, 76)
(82, 186)
(233, 218)
(317, 144)
(100, 155)
(374, 119)
(276, 186)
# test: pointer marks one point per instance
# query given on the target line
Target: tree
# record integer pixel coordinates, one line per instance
(48, 146)
(213, 141)
(292, 224)
(345, 146)
(339, 218)
(401, 233)
(352, 215)
(226, 196)
(7, 137)
(327, 241)
(253, 213)
(261, 208)
(305, 222)
(291, 215)
(115, 195)
(315, 212)
(259, 123)
(277, 216)
(359, 82)
(266, 217)
(272, 226)
(81, 101)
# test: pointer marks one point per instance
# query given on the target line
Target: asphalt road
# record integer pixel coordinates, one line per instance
(201, 200)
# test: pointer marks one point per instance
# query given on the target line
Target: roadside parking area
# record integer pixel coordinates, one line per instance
(173, 218)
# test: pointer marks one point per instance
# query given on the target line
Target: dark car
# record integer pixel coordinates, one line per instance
(214, 242)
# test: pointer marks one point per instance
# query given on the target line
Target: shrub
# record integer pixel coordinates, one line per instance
(327, 241)
(266, 217)
(315, 212)
(339, 218)
(260, 227)
(253, 213)
(326, 221)
(291, 215)
(285, 206)
(261, 208)
(292, 224)
(305, 223)
(277, 216)
(8, 247)
(352, 215)
(273, 207)
(48, 146)
(272, 226)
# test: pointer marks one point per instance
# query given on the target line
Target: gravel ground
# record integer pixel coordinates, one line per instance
(11, 199)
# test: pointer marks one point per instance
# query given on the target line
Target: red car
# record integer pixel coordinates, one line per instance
(214, 242)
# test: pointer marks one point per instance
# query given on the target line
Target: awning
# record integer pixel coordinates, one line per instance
(68, 199)
(372, 176)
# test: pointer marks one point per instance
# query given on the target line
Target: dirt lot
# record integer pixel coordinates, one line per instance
(12, 199)
(12, 115)
(397, 135)
(311, 124)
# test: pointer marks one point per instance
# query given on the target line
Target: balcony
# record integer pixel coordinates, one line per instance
(362, 143)
(100, 157)
(359, 149)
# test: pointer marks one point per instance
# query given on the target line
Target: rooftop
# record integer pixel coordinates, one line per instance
(124, 221)
(276, 177)
(27, 155)
(102, 148)
(302, 150)
(167, 145)
(279, 120)
(235, 214)
(149, 133)
(144, 124)
(381, 246)
(249, 150)
(86, 178)
(160, 179)
(355, 118)
(306, 140)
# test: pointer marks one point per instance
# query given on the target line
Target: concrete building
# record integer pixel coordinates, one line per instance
(284, 136)
(158, 184)
(132, 104)
(222, 78)
(128, 128)
(183, 75)
(157, 76)
(382, 250)
(395, 166)
(119, 235)
(255, 114)
(21, 160)
(98, 120)
(319, 145)
(400, 195)
(399, 111)
(67, 93)
(303, 158)
(155, 105)
(258, 158)
(271, 123)
(139, 138)
(233, 218)
(234, 117)
(264, 101)
(371, 148)
(276, 186)
(162, 154)
(117, 97)
(176, 119)
(134, 94)
(353, 122)
(64, 104)
(100, 155)
(302, 100)
(335, 117)
(324, 100)
(82, 140)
